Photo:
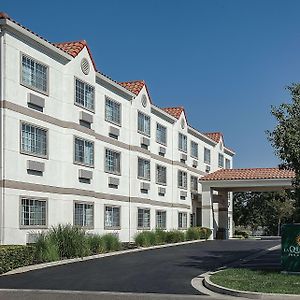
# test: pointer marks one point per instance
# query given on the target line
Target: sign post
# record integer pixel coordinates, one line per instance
(290, 248)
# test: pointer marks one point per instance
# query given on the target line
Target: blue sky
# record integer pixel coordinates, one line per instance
(226, 62)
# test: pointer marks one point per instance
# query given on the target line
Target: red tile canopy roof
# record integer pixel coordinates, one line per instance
(133, 86)
(248, 174)
(174, 111)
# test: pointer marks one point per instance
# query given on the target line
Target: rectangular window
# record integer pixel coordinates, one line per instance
(84, 94)
(112, 217)
(182, 142)
(194, 149)
(161, 219)
(34, 74)
(227, 163)
(143, 218)
(143, 123)
(161, 174)
(182, 220)
(112, 161)
(33, 140)
(182, 179)
(84, 214)
(221, 160)
(207, 156)
(194, 183)
(33, 212)
(161, 134)
(84, 152)
(112, 111)
(143, 168)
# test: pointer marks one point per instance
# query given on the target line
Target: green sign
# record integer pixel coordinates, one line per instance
(290, 247)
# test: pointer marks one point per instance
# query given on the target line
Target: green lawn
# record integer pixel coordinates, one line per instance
(258, 281)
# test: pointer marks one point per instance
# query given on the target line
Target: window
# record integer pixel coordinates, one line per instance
(84, 214)
(161, 219)
(144, 218)
(227, 163)
(84, 94)
(194, 149)
(112, 111)
(161, 134)
(84, 152)
(143, 123)
(182, 142)
(161, 174)
(34, 74)
(33, 140)
(182, 220)
(33, 212)
(221, 160)
(182, 179)
(112, 217)
(194, 183)
(207, 156)
(143, 168)
(112, 161)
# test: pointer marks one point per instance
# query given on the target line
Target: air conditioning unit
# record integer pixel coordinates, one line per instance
(207, 169)
(31, 237)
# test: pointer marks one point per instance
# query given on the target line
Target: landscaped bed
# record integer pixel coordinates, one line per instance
(257, 281)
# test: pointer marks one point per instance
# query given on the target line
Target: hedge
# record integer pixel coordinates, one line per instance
(15, 256)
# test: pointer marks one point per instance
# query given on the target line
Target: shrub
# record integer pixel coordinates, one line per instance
(12, 257)
(175, 236)
(111, 242)
(197, 233)
(96, 244)
(46, 249)
(242, 233)
(145, 239)
(160, 236)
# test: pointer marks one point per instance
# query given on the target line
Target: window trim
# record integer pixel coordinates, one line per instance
(191, 181)
(160, 210)
(47, 142)
(193, 156)
(29, 86)
(88, 203)
(141, 132)
(74, 154)
(219, 155)
(156, 179)
(164, 144)
(227, 161)
(111, 172)
(120, 217)
(137, 223)
(109, 121)
(182, 187)
(78, 104)
(182, 150)
(143, 178)
(45, 199)
(183, 228)
(206, 161)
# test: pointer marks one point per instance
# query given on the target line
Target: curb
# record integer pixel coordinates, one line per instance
(251, 295)
(91, 257)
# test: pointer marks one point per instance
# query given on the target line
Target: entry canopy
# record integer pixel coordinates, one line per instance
(257, 179)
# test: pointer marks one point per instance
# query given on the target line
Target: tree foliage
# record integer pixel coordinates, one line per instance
(285, 138)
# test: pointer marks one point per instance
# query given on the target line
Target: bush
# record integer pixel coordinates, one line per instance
(12, 257)
(111, 242)
(46, 249)
(145, 239)
(160, 236)
(96, 244)
(242, 233)
(198, 233)
(175, 236)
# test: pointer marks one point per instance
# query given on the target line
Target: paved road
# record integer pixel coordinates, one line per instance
(165, 271)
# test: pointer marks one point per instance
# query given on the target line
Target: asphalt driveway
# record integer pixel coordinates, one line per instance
(165, 271)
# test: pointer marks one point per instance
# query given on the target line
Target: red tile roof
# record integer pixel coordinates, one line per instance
(248, 174)
(133, 86)
(215, 136)
(174, 111)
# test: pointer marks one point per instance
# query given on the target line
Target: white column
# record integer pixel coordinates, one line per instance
(207, 212)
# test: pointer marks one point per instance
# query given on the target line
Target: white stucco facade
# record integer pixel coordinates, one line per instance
(57, 181)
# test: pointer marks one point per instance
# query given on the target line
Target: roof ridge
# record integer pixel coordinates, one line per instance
(70, 42)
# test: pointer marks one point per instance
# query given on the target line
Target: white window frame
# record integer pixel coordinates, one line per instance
(161, 219)
(194, 145)
(227, 163)
(32, 212)
(146, 173)
(182, 142)
(194, 178)
(158, 175)
(84, 218)
(182, 220)
(146, 220)
(85, 105)
(220, 160)
(182, 179)
(208, 152)
(30, 85)
(162, 127)
(114, 210)
(84, 163)
(116, 161)
(116, 116)
(142, 127)
(34, 143)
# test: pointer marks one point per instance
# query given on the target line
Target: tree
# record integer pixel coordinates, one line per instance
(285, 138)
